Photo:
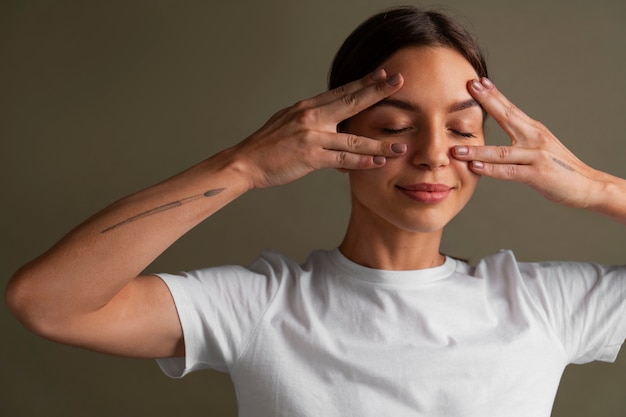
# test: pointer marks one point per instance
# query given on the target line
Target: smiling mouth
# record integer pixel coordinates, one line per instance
(426, 192)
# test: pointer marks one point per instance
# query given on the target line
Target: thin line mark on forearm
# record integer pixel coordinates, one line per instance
(165, 207)
(564, 165)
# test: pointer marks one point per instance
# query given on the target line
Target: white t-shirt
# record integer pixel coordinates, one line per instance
(335, 339)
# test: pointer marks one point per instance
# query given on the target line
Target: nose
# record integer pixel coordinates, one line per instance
(430, 149)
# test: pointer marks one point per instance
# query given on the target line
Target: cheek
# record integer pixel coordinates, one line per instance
(468, 178)
(372, 183)
(369, 177)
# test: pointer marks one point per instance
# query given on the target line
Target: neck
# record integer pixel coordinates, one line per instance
(392, 249)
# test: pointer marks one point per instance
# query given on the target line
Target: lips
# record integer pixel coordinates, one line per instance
(426, 192)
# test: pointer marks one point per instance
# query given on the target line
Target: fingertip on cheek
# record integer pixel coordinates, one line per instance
(477, 165)
(399, 148)
(461, 150)
(379, 160)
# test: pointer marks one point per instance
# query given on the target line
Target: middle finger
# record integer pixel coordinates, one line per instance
(349, 104)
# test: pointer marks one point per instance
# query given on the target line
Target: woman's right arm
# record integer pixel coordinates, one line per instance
(86, 290)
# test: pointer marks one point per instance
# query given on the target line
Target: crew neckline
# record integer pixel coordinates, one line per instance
(393, 277)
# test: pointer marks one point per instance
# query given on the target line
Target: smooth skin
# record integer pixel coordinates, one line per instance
(432, 113)
(86, 290)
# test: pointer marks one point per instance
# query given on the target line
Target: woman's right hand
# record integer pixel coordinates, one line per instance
(304, 138)
(85, 291)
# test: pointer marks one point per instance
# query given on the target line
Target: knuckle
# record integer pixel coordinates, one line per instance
(309, 116)
(542, 136)
(350, 100)
(341, 159)
(353, 142)
(340, 91)
(543, 157)
(307, 138)
(510, 171)
(502, 152)
(302, 104)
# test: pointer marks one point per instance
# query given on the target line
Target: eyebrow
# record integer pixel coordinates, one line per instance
(462, 105)
(406, 105)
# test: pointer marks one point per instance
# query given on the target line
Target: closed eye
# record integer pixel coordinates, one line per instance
(395, 131)
(462, 134)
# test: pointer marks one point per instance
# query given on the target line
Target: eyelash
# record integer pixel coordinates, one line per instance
(463, 134)
(395, 131)
(455, 132)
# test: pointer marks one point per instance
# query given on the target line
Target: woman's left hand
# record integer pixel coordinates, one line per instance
(535, 157)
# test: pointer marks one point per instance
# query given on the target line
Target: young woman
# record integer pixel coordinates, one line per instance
(385, 324)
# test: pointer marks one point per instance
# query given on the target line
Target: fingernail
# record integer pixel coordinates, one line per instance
(461, 150)
(477, 164)
(379, 160)
(378, 75)
(398, 147)
(477, 85)
(487, 83)
(394, 80)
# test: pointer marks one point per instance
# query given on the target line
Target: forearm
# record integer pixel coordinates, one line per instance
(88, 279)
(83, 271)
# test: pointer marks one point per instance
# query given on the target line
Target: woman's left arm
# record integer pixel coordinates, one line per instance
(537, 158)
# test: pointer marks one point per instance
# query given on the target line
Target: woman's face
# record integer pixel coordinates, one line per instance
(433, 111)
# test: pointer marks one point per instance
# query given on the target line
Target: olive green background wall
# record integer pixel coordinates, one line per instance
(99, 99)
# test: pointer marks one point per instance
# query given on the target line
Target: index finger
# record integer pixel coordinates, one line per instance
(514, 121)
(352, 87)
(347, 105)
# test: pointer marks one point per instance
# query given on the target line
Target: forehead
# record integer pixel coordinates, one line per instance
(431, 73)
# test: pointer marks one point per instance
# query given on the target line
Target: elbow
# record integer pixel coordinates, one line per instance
(15, 296)
(21, 299)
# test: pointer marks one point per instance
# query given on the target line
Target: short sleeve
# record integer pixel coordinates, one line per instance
(584, 303)
(218, 309)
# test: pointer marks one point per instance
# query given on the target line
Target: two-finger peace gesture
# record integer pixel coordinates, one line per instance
(303, 138)
(535, 157)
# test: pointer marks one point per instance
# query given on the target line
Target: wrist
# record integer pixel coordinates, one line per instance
(608, 197)
(237, 167)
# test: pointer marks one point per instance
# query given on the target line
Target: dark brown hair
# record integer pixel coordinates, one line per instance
(376, 39)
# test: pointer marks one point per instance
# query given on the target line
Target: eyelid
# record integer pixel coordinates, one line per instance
(395, 131)
(469, 135)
